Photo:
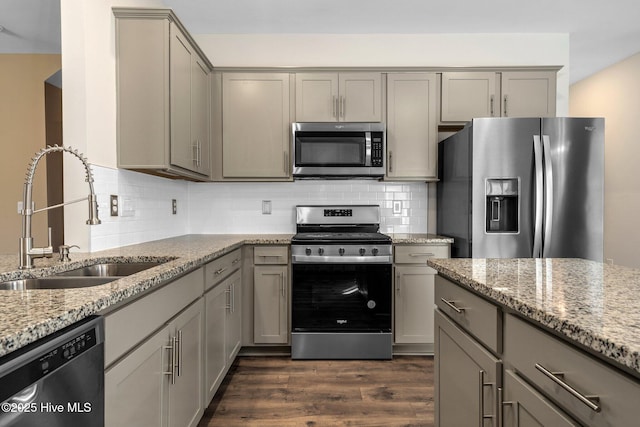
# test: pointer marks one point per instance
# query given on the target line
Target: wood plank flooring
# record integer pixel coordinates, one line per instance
(278, 391)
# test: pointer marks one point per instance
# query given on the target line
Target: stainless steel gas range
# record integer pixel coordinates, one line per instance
(341, 284)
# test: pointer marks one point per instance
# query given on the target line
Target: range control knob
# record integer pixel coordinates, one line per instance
(307, 251)
(362, 251)
(341, 251)
(374, 251)
(320, 251)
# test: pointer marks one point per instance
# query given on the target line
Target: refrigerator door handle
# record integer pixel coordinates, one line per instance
(539, 191)
(548, 191)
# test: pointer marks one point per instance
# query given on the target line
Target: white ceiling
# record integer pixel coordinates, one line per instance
(601, 32)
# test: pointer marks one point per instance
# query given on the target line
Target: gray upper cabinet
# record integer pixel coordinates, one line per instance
(467, 95)
(339, 97)
(411, 126)
(163, 96)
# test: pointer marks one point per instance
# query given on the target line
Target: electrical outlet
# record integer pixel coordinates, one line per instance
(113, 205)
(266, 207)
(174, 206)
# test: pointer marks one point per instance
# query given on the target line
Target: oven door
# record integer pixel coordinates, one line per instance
(341, 298)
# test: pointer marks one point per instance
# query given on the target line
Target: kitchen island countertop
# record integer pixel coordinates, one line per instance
(589, 303)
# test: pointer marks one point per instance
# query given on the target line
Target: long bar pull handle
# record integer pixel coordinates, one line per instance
(228, 302)
(178, 344)
(591, 401)
(286, 162)
(390, 161)
(172, 370)
(283, 279)
(233, 297)
(334, 105)
(343, 104)
(451, 305)
(481, 386)
(505, 106)
(491, 105)
(539, 191)
(427, 254)
(548, 192)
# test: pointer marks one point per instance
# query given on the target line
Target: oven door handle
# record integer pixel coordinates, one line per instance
(304, 259)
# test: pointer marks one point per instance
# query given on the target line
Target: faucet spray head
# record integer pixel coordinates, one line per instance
(93, 210)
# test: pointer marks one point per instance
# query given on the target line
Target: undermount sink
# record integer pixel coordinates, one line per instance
(54, 282)
(83, 277)
(115, 269)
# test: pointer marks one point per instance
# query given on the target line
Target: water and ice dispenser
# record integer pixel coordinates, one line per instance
(503, 201)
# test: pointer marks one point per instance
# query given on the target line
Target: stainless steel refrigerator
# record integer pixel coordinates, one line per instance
(522, 188)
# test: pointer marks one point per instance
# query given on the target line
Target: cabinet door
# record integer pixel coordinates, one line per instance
(255, 125)
(233, 322)
(186, 400)
(525, 407)
(200, 116)
(414, 305)
(468, 95)
(360, 98)
(270, 317)
(411, 126)
(136, 388)
(215, 356)
(466, 378)
(529, 94)
(182, 148)
(316, 97)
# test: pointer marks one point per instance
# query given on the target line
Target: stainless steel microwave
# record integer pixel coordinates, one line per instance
(339, 150)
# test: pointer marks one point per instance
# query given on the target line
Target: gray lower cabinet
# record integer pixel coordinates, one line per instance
(466, 378)
(523, 406)
(160, 382)
(271, 295)
(223, 319)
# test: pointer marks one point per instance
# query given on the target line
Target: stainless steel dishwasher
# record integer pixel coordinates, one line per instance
(56, 381)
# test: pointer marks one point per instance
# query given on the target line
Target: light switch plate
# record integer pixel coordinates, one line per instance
(174, 206)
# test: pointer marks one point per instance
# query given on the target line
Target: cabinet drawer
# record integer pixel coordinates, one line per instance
(418, 254)
(530, 350)
(271, 255)
(479, 317)
(222, 267)
(127, 327)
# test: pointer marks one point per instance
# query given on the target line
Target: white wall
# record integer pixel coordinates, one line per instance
(613, 94)
(89, 96)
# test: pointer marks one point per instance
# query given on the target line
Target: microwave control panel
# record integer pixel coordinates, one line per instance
(377, 155)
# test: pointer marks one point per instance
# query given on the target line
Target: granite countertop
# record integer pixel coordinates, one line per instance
(419, 238)
(33, 314)
(583, 301)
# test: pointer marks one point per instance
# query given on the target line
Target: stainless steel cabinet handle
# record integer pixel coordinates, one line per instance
(481, 386)
(235, 261)
(178, 345)
(491, 105)
(220, 271)
(334, 105)
(427, 254)
(228, 303)
(451, 304)
(194, 153)
(233, 297)
(591, 401)
(283, 284)
(286, 162)
(390, 161)
(501, 405)
(172, 368)
(343, 106)
(505, 106)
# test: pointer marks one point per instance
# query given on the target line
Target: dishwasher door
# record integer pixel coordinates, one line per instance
(57, 381)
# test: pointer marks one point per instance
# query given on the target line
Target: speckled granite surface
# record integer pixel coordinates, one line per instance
(591, 303)
(420, 238)
(26, 316)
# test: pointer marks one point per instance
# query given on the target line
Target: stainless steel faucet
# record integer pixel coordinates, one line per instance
(27, 252)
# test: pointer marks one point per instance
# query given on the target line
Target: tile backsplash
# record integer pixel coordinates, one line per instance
(236, 208)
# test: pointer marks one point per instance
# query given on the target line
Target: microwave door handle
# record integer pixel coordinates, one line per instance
(367, 148)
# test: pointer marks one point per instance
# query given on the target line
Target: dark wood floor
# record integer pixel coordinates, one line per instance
(278, 391)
